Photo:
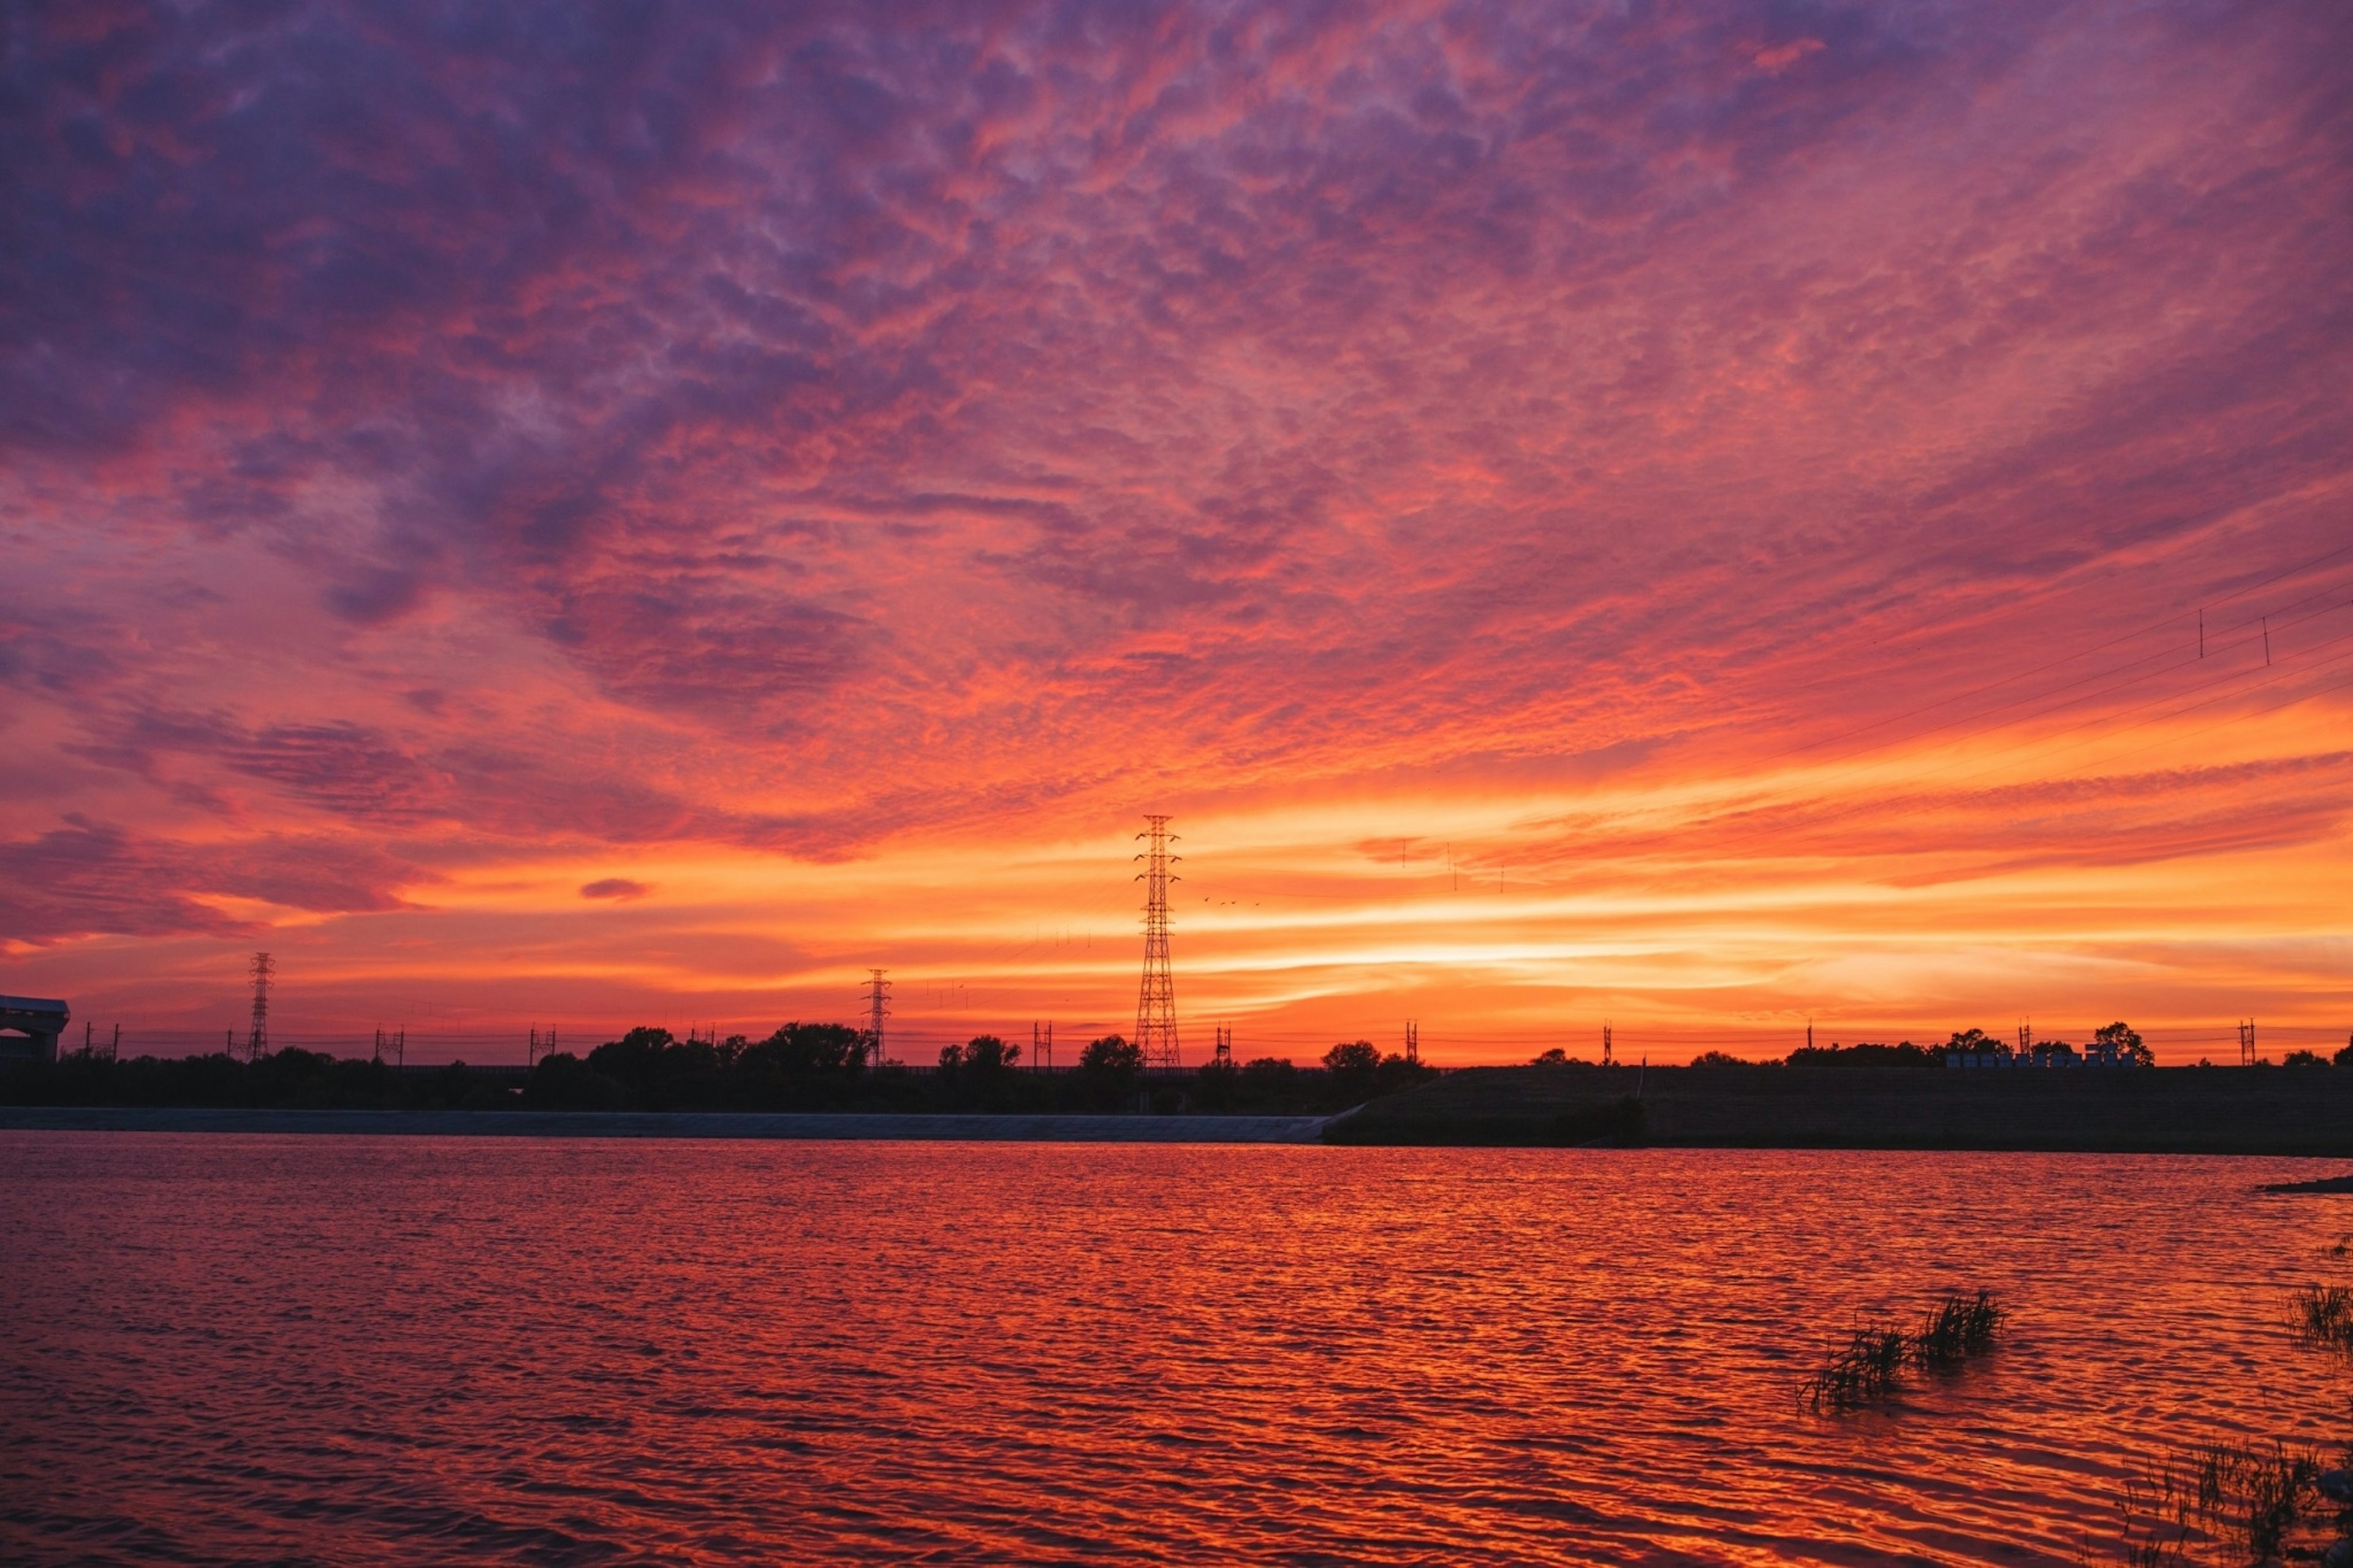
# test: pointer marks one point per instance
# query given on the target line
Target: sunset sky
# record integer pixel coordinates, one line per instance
(1697, 518)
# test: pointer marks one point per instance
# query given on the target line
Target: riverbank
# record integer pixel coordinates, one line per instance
(2165, 1110)
(851, 1125)
(2145, 1110)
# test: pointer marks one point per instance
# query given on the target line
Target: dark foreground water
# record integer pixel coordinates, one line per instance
(217, 1349)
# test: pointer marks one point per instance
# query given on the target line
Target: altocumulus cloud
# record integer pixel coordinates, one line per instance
(791, 426)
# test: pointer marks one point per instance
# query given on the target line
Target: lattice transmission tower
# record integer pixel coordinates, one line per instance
(1156, 1000)
(258, 1041)
(878, 1007)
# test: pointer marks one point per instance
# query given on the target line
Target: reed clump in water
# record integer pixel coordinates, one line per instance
(1875, 1358)
(2323, 1315)
(1956, 1329)
(2220, 1503)
(1866, 1369)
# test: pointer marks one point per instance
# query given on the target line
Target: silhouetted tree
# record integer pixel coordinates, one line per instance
(2126, 1039)
(1352, 1065)
(562, 1081)
(798, 1051)
(1976, 1042)
(635, 1059)
(1866, 1054)
(1108, 1071)
(978, 1071)
(2302, 1060)
(1217, 1086)
(1270, 1082)
(986, 1055)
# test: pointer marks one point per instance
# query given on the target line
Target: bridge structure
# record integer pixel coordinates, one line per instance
(30, 1027)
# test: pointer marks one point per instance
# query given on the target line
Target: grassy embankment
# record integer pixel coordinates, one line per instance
(2187, 1110)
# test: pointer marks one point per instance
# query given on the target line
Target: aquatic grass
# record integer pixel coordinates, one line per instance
(2220, 1501)
(1956, 1329)
(1863, 1372)
(1873, 1361)
(2323, 1315)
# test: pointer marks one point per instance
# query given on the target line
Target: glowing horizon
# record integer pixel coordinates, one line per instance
(1700, 522)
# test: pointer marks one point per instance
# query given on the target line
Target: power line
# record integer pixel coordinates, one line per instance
(2334, 594)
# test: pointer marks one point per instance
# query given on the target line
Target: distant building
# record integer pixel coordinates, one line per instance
(30, 1027)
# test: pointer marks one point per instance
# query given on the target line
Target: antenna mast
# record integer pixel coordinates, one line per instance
(1156, 999)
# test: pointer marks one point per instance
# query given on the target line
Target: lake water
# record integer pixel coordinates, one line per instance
(246, 1349)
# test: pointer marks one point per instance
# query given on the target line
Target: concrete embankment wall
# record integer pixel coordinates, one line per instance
(2219, 1110)
(675, 1124)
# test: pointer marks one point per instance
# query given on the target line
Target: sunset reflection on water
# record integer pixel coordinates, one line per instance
(250, 1348)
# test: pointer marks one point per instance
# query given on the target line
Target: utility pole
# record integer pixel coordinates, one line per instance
(878, 1007)
(1155, 997)
(258, 1041)
(1042, 1046)
(1412, 1042)
(1223, 1056)
(1606, 1058)
(2247, 1044)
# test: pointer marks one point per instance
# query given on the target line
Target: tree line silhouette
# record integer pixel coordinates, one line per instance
(799, 1067)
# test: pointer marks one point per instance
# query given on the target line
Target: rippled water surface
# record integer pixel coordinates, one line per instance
(406, 1349)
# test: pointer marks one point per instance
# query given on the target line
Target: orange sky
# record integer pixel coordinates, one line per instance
(1681, 522)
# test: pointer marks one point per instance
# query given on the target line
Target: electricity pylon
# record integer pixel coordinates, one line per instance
(1156, 999)
(258, 1041)
(878, 1007)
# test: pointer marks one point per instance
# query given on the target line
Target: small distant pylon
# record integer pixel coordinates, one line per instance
(1413, 1042)
(1155, 998)
(2247, 1043)
(259, 1041)
(1608, 1058)
(1042, 1046)
(2025, 1037)
(1223, 1057)
(878, 1007)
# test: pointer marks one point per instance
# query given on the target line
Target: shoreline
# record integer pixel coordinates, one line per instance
(2228, 1111)
(775, 1125)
